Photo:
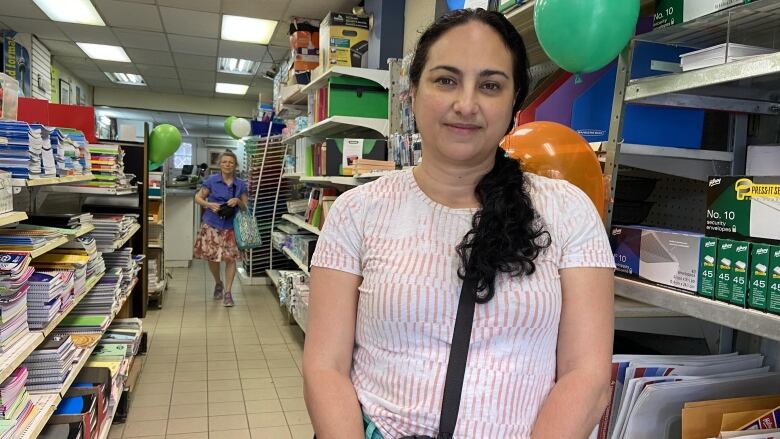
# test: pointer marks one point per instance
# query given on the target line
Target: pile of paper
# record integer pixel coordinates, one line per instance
(110, 228)
(650, 391)
(21, 153)
(47, 292)
(123, 260)
(80, 141)
(15, 271)
(75, 323)
(16, 408)
(71, 154)
(103, 297)
(50, 364)
(85, 246)
(71, 221)
(74, 264)
(25, 240)
(108, 168)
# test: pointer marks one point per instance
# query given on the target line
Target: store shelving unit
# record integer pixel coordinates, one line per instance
(89, 190)
(51, 245)
(12, 218)
(300, 222)
(15, 356)
(156, 234)
(20, 182)
(45, 404)
(298, 262)
(381, 77)
(739, 88)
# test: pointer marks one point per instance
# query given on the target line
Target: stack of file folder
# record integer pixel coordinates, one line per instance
(21, 153)
(25, 240)
(16, 408)
(49, 365)
(47, 292)
(108, 168)
(15, 271)
(110, 228)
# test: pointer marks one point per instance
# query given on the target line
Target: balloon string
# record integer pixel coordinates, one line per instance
(577, 78)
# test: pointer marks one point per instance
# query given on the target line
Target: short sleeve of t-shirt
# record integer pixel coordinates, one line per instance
(584, 238)
(208, 182)
(242, 188)
(341, 239)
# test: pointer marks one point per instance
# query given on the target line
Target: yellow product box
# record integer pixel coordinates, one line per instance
(344, 40)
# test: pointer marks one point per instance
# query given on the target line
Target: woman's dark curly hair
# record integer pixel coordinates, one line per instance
(506, 234)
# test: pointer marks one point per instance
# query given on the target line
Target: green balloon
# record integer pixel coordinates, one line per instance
(155, 165)
(163, 142)
(584, 36)
(228, 123)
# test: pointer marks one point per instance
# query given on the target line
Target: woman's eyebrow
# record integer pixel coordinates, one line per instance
(483, 73)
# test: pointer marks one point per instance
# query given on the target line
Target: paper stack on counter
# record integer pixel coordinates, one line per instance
(49, 365)
(21, 153)
(16, 408)
(649, 392)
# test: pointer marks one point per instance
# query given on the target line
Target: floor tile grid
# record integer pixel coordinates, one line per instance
(217, 372)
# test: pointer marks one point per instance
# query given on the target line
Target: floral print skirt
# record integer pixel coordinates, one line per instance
(216, 245)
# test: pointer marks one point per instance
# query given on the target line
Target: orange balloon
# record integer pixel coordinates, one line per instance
(556, 151)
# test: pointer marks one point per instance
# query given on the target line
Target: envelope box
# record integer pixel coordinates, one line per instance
(744, 208)
(672, 12)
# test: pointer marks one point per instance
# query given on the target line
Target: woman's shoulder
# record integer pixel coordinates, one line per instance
(551, 197)
(212, 178)
(385, 188)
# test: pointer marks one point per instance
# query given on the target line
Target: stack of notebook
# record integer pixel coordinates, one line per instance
(47, 290)
(70, 152)
(21, 153)
(123, 260)
(49, 365)
(60, 221)
(75, 323)
(15, 271)
(85, 246)
(110, 228)
(126, 332)
(18, 240)
(104, 296)
(84, 158)
(108, 169)
(75, 265)
(16, 408)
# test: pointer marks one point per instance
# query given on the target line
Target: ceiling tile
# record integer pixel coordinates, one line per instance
(40, 28)
(116, 67)
(193, 92)
(25, 9)
(147, 2)
(195, 5)
(151, 57)
(64, 48)
(277, 54)
(184, 61)
(157, 71)
(193, 45)
(86, 69)
(281, 35)
(197, 85)
(197, 75)
(142, 39)
(234, 49)
(318, 10)
(75, 61)
(268, 9)
(129, 15)
(84, 33)
(163, 82)
(194, 23)
(90, 76)
(234, 79)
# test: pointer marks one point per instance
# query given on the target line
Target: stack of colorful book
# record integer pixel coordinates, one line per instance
(45, 297)
(85, 246)
(24, 240)
(103, 297)
(74, 265)
(110, 228)
(49, 365)
(108, 168)
(70, 152)
(21, 153)
(15, 271)
(16, 408)
(123, 260)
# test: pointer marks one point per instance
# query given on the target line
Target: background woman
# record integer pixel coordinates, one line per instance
(389, 264)
(216, 241)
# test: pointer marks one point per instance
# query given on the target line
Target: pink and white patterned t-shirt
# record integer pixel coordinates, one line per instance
(402, 243)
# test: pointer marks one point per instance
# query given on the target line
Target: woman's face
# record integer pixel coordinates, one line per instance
(227, 165)
(463, 102)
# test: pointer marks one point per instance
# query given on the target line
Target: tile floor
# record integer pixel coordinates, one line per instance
(213, 372)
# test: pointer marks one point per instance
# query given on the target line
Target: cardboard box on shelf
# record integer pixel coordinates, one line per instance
(724, 270)
(773, 285)
(357, 97)
(743, 207)
(708, 258)
(739, 279)
(667, 257)
(671, 12)
(759, 270)
(340, 154)
(344, 40)
(304, 40)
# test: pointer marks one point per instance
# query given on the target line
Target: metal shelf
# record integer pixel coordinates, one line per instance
(297, 261)
(300, 222)
(745, 320)
(11, 218)
(46, 404)
(292, 95)
(51, 245)
(334, 181)
(273, 275)
(341, 126)
(22, 182)
(381, 77)
(91, 190)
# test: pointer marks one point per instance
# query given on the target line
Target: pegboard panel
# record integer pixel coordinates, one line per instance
(679, 203)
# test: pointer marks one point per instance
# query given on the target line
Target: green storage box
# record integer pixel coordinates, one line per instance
(336, 159)
(356, 97)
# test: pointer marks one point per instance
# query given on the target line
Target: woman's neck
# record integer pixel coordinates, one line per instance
(451, 187)
(227, 177)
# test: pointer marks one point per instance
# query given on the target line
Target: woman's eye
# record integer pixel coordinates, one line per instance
(491, 86)
(445, 81)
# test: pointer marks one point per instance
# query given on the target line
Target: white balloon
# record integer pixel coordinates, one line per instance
(240, 128)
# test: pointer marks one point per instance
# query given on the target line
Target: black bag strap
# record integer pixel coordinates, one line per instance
(456, 366)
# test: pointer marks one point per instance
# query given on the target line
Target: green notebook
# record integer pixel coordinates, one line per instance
(72, 320)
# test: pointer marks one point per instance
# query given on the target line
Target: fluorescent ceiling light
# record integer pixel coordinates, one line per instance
(237, 66)
(247, 30)
(126, 79)
(104, 53)
(71, 11)
(233, 89)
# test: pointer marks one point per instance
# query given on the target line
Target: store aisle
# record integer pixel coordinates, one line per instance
(215, 372)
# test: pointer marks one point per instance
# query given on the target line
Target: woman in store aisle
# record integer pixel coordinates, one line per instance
(220, 196)
(388, 269)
